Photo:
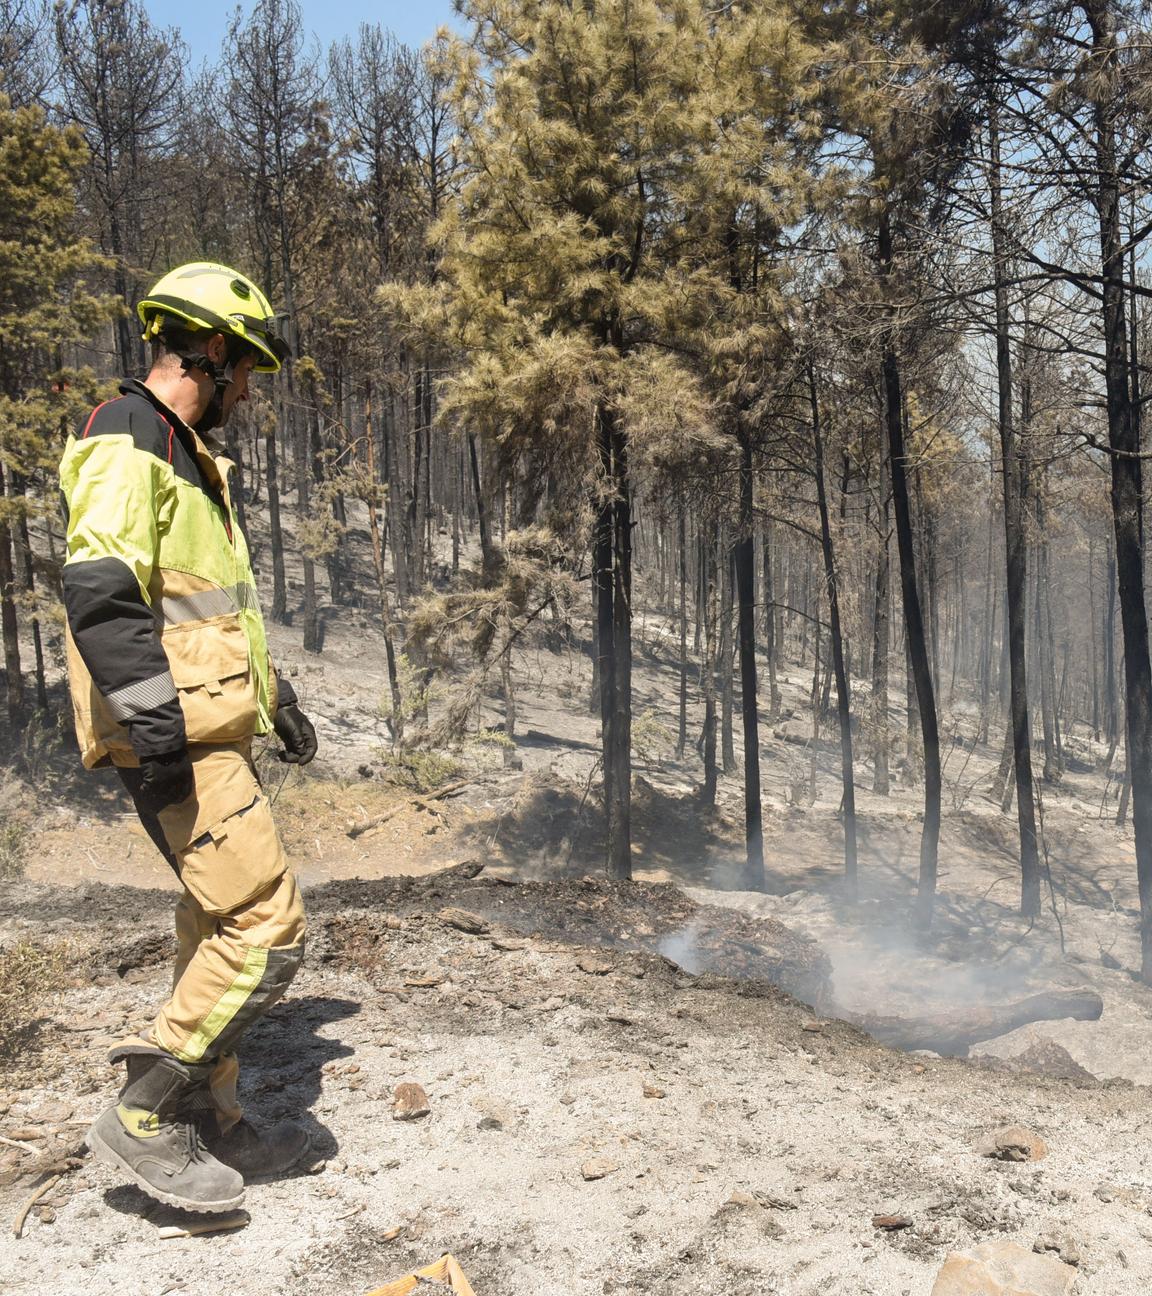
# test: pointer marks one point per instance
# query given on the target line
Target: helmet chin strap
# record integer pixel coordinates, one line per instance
(221, 376)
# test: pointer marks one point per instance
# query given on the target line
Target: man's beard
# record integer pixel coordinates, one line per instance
(213, 415)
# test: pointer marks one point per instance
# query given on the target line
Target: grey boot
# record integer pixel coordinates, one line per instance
(152, 1137)
(257, 1153)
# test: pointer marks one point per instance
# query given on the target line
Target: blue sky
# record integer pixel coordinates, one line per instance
(203, 32)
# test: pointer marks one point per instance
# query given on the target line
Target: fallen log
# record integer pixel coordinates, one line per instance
(419, 802)
(952, 1034)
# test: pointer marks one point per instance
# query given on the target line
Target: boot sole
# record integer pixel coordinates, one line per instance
(102, 1152)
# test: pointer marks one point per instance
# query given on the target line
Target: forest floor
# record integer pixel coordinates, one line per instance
(621, 1100)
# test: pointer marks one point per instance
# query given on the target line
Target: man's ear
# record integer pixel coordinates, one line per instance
(216, 349)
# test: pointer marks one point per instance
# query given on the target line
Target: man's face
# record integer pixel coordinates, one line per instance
(237, 389)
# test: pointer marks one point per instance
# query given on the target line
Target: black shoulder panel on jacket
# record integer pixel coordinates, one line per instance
(132, 415)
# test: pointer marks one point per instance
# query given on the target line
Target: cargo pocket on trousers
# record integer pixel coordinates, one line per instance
(234, 859)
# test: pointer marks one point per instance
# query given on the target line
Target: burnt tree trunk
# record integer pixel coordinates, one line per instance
(881, 635)
(26, 577)
(1014, 475)
(708, 673)
(382, 574)
(754, 879)
(14, 679)
(843, 697)
(1126, 484)
(913, 615)
(772, 623)
(727, 705)
(682, 552)
(613, 578)
(279, 610)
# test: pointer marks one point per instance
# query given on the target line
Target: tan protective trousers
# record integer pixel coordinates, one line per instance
(240, 921)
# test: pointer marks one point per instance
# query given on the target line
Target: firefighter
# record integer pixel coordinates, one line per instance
(171, 681)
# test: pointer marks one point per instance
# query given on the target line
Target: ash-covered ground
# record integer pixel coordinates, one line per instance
(631, 1089)
(741, 1142)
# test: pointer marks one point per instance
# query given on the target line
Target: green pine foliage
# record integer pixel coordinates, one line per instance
(46, 303)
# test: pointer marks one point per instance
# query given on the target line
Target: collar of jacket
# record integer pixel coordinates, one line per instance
(134, 387)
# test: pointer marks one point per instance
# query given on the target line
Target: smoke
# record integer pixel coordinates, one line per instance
(683, 947)
(895, 971)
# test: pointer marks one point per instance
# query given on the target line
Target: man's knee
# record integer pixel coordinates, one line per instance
(272, 920)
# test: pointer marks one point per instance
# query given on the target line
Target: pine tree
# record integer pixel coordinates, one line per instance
(580, 129)
(44, 307)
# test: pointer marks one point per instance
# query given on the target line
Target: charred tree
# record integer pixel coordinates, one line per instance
(1014, 474)
(743, 559)
(913, 614)
(612, 573)
(1126, 465)
(843, 697)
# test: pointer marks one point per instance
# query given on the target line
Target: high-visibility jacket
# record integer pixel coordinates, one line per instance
(166, 644)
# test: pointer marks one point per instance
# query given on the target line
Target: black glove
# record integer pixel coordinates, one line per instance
(167, 780)
(295, 731)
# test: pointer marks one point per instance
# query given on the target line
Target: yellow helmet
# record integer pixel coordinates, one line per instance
(209, 296)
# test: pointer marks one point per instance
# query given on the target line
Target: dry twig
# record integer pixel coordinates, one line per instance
(43, 1191)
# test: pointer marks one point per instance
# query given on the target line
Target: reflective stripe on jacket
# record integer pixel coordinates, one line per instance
(166, 643)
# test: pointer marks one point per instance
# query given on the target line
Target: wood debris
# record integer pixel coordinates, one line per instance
(444, 1275)
(952, 1034)
(891, 1223)
(420, 803)
(22, 1215)
(211, 1224)
(464, 921)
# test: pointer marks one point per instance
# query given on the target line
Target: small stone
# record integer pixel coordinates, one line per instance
(1003, 1269)
(552, 1004)
(51, 1112)
(742, 1198)
(813, 1027)
(490, 1123)
(47, 1215)
(410, 1103)
(1013, 1143)
(891, 1223)
(508, 943)
(597, 1168)
(654, 1091)
(593, 966)
(1064, 1246)
(567, 1099)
